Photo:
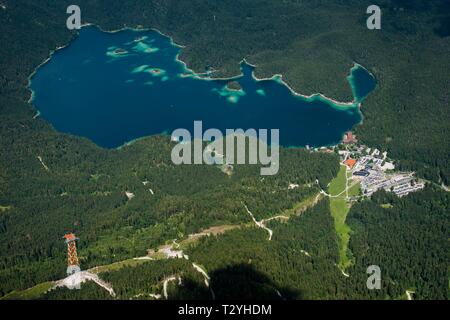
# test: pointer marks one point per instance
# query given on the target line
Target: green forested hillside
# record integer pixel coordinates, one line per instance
(300, 259)
(313, 44)
(88, 291)
(146, 279)
(405, 239)
(84, 191)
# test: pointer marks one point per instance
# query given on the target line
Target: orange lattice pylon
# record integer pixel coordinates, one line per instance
(72, 258)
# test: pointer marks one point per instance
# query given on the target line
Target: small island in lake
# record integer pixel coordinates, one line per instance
(120, 51)
(234, 86)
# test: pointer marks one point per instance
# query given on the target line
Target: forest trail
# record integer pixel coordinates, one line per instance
(409, 294)
(344, 273)
(166, 282)
(260, 224)
(207, 278)
(285, 217)
(43, 164)
(203, 272)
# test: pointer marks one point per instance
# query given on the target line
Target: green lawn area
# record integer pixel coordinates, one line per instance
(29, 294)
(119, 265)
(354, 190)
(339, 210)
(300, 207)
(337, 185)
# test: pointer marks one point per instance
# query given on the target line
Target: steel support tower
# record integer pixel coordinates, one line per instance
(73, 266)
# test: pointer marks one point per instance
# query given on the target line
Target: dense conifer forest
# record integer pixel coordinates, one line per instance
(407, 241)
(82, 187)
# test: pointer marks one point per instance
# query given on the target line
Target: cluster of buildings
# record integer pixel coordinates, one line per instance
(374, 170)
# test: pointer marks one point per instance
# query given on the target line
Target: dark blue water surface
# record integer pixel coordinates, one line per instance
(362, 83)
(116, 87)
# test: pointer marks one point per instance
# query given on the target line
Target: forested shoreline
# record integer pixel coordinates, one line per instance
(83, 188)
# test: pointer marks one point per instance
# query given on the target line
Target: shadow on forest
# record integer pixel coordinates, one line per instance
(241, 282)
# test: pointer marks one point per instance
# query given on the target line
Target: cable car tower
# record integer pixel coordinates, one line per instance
(73, 266)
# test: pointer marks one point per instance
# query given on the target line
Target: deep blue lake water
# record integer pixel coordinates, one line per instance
(116, 87)
(362, 83)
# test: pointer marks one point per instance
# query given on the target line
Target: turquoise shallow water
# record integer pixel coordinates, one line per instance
(116, 87)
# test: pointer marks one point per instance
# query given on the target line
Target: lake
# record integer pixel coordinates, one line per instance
(116, 87)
